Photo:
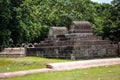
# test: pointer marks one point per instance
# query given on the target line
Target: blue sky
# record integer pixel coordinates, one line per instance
(102, 1)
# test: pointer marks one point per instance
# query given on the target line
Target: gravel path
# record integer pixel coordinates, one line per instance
(64, 66)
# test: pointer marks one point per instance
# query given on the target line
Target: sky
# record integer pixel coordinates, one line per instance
(102, 1)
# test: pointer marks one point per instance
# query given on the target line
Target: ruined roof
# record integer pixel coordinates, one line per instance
(81, 27)
(57, 31)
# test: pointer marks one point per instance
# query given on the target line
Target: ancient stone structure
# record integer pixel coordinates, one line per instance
(77, 43)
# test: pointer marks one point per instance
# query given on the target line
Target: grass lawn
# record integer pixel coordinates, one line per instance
(25, 63)
(97, 73)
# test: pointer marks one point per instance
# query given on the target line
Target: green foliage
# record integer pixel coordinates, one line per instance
(28, 21)
(5, 17)
(112, 22)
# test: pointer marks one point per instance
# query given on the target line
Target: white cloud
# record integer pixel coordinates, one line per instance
(102, 1)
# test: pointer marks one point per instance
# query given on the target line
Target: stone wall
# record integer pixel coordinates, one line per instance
(119, 49)
(13, 52)
(66, 52)
(6, 55)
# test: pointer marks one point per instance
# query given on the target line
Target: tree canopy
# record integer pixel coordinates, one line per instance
(28, 21)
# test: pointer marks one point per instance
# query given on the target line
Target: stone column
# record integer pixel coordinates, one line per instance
(119, 49)
(56, 53)
(72, 57)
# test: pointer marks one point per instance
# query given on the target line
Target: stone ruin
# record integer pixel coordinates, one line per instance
(78, 43)
(13, 52)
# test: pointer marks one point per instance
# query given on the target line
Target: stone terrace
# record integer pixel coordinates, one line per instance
(77, 43)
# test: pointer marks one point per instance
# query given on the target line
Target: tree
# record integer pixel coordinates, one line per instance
(28, 21)
(5, 17)
(112, 22)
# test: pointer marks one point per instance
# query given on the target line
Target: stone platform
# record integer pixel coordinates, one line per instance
(79, 42)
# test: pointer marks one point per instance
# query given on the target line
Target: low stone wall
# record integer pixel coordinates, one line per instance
(13, 53)
(74, 52)
(13, 49)
(6, 55)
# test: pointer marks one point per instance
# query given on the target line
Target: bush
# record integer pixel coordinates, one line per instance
(12, 45)
(1, 48)
(18, 45)
(30, 45)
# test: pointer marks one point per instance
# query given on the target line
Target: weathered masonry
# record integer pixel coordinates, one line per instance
(13, 52)
(77, 43)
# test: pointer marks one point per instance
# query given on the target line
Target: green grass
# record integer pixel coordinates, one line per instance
(26, 63)
(98, 73)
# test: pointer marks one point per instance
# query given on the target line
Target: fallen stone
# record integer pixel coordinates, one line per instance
(83, 64)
